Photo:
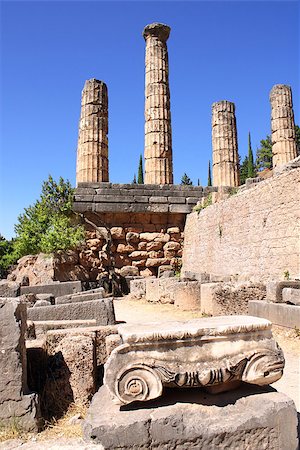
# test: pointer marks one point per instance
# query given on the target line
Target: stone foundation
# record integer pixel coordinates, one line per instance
(251, 417)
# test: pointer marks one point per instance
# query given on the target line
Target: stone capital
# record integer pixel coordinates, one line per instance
(158, 30)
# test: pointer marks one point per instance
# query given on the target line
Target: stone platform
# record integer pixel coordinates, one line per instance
(249, 418)
(138, 198)
(278, 313)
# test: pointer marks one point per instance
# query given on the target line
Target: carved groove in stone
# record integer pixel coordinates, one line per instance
(158, 133)
(225, 145)
(216, 354)
(92, 150)
(284, 146)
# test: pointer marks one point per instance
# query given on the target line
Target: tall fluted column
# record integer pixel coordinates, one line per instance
(225, 145)
(158, 134)
(92, 150)
(283, 126)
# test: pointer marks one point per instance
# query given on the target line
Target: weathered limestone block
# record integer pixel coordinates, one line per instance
(56, 288)
(81, 297)
(275, 290)
(158, 133)
(73, 360)
(225, 145)
(99, 333)
(138, 288)
(290, 295)
(279, 313)
(187, 295)
(284, 147)
(155, 262)
(129, 271)
(9, 288)
(17, 405)
(39, 303)
(40, 328)
(92, 151)
(161, 289)
(229, 298)
(117, 233)
(216, 354)
(249, 418)
(100, 310)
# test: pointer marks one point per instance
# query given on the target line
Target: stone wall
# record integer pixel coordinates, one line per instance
(142, 241)
(253, 234)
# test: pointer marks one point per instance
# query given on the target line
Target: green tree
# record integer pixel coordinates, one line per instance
(140, 171)
(7, 255)
(264, 154)
(209, 183)
(134, 179)
(185, 180)
(251, 168)
(244, 170)
(49, 224)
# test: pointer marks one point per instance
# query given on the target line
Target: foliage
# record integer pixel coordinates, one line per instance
(207, 202)
(264, 154)
(251, 167)
(49, 224)
(140, 179)
(286, 275)
(209, 183)
(185, 180)
(244, 170)
(134, 179)
(233, 191)
(7, 255)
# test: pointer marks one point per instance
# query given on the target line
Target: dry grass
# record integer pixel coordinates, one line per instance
(287, 338)
(12, 431)
(61, 428)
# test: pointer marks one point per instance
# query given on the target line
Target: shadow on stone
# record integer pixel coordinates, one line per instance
(57, 394)
(198, 396)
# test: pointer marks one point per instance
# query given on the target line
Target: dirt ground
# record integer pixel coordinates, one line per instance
(64, 435)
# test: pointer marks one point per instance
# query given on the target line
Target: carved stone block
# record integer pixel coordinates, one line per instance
(214, 353)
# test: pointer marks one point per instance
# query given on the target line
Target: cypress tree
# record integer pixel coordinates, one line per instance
(134, 180)
(140, 171)
(244, 170)
(251, 168)
(185, 180)
(209, 175)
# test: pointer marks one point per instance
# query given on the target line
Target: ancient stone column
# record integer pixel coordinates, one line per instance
(283, 126)
(92, 150)
(158, 134)
(225, 145)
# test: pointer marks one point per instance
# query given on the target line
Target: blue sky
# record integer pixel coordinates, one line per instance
(217, 50)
